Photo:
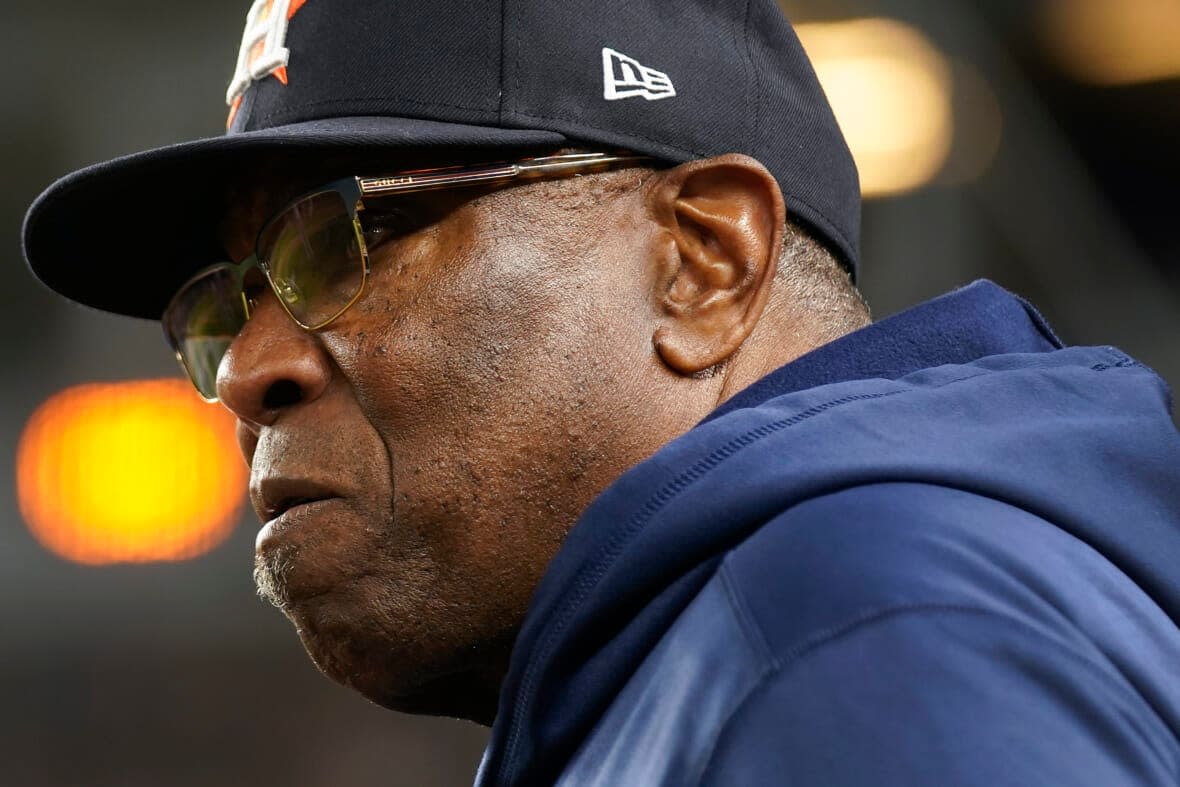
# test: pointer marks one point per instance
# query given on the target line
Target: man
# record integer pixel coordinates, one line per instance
(597, 446)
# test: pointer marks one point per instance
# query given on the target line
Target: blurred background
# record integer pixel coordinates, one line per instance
(1033, 142)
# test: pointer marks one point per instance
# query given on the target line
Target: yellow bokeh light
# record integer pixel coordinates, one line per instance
(1115, 42)
(891, 91)
(129, 472)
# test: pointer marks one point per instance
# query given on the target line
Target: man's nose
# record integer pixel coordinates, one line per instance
(272, 365)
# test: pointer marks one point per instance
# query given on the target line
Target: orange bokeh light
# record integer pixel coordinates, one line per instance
(130, 472)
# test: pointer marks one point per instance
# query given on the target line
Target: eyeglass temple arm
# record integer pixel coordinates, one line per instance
(534, 168)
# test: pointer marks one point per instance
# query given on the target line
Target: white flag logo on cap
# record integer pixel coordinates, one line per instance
(626, 77)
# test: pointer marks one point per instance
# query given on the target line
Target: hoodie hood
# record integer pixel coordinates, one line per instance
(971, 390)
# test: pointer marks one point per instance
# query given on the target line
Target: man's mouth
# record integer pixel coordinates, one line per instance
(287, 504)
(280, 502)
(288, 517)
(277, 496)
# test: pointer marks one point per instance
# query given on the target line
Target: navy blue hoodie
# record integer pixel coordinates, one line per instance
(941, 550)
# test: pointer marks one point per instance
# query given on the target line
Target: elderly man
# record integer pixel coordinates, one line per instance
(564, 415)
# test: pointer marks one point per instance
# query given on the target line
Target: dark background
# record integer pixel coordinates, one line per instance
(176, 674)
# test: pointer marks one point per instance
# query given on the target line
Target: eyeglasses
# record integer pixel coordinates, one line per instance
(314, 254)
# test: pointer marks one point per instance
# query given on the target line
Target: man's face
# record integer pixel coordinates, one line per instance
(449, 427)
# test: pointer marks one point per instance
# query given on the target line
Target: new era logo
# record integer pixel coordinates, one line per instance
(626, 77)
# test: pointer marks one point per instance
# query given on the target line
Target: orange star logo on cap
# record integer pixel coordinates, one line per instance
(263, 52)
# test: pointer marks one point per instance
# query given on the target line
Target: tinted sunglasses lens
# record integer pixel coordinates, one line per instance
(202, 321)
(312, 253)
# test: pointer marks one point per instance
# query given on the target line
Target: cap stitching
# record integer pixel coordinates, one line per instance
(761, 99)
(516, 69)
(751, 130)
(503, 40)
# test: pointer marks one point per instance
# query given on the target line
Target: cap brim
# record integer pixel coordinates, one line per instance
(123, 235)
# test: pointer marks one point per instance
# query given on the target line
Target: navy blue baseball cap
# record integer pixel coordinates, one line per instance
(464, 80)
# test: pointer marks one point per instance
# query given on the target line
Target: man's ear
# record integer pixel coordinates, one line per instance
(724, 218)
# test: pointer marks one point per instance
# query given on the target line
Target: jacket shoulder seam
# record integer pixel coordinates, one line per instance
(836, 633)
(756, 638)
(746, 619)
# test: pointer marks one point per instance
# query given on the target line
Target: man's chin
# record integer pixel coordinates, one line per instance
(386, 653)
(339, 652)
(386, 672)
(288, 582)
(398, 681)
(271, 581)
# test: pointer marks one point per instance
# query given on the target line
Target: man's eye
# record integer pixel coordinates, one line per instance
(383, 225)
(375, 236)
